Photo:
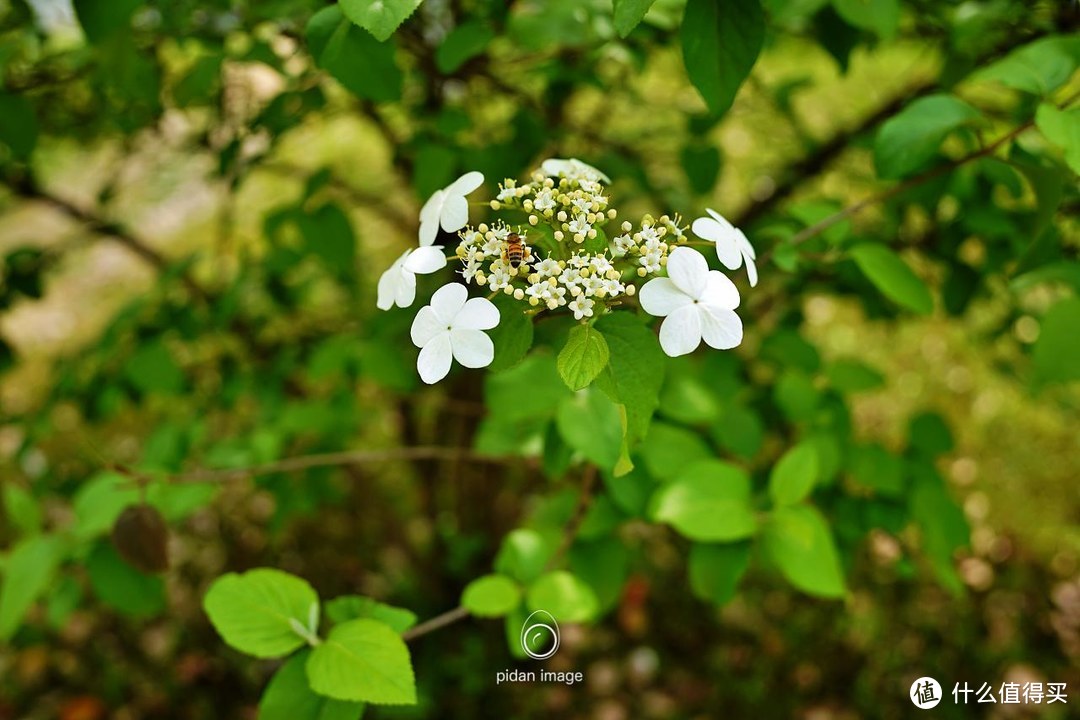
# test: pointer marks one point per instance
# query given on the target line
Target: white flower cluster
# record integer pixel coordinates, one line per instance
(564, 257)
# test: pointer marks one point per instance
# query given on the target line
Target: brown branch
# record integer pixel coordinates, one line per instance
(306, 462)
(26, 188)
(570, 530)
(820, 227)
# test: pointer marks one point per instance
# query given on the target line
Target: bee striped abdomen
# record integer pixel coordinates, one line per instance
(515, 250)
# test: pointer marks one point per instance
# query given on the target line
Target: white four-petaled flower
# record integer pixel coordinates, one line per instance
(572, 168)
(451, 328)
(732, 247)
(696, 303)
(448, 207)
(397, 286)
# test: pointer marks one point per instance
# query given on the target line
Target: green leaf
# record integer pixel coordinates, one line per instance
(797, 539)
(892, 276)
(720, 43)
(1056, 355)
(583, 357)
(874, 468)
(21, 508)
(121, 586)
(591, 424)
(99, 501)
(564, 595)
(942, 522)
(257, 612)
(881, 17)
(909, 139)
(635, 368)
(18, 124)
(1038, 68)
(929, 435)
(100, 19)
(28, 569)
(796, 395)
(709, 501)
(1061, 127)
(739, 431)
(379, 17)
(669, 449)
(290, 697)
(328, 235)
(715, 570)
(152, 369)
(701, 163)
(353, 607)
(524, 554)
(365, 661)
(852, 376)
(491, 596)
(464, 42)
(603, 564)
(793, 477)
(629, 14)
(512, 337)
(353, 57)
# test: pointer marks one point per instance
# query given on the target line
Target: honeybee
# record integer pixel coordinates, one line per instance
(516, 250)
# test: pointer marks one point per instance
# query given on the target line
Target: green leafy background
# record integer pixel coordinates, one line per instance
(197, 199)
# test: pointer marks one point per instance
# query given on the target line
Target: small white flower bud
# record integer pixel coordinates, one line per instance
(508, 290)
(559, 235)
(534, 301)
(552, 304)
(495, 205)
(579, 238)
(533, 220)
(592, 233)
(481, 279)
(641, 272)
(630, 289)
(561, 216)
(528, 205)
(553, 282)
(519, 294)
(612, 214)
(482, 228)
(626, 226)
(663, 261)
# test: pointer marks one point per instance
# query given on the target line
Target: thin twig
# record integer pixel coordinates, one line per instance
(570, 530)
(820, 227)
(347, 457)
(436, 623)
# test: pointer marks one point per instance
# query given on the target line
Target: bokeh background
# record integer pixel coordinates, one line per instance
(194, 214)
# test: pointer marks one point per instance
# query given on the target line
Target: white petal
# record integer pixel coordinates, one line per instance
(389, 282)
(447, 301)
(466, 183)
(724, 235)
(425, 326)
(689, 270)
(406, 289)
(720, 291)
(720, 328)
(660, 297)
(434, 360)
(746, 248)
(556, 166)
(588, 170)
(680, 332)
(429, 230)
(455, 213)
(472, 348)
(477, 314)
(433, 207)
(718, 217)
(751, 270)
(426, 260)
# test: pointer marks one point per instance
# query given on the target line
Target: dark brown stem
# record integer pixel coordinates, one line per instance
(570, 530)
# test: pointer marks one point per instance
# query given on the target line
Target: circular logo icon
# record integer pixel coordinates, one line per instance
(540, 635)
(925, 693)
